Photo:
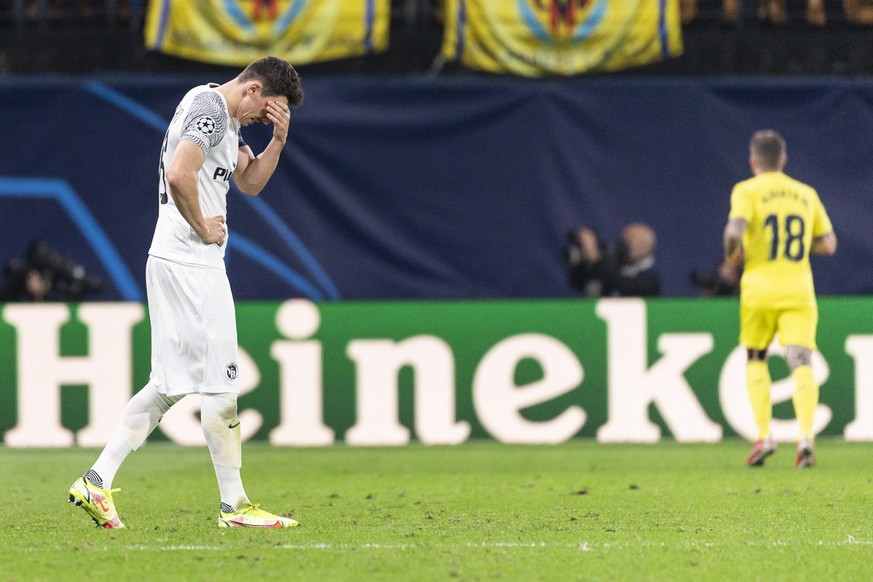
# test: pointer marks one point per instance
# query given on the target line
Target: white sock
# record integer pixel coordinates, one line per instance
(221, 430)
(230, 487)
(139, 419)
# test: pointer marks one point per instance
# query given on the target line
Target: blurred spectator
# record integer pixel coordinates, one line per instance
(687, 10)
(775, 12)
(24, 282)
(691, 9)
(769, 11)
(859, 11)
(627, 270)
(73, 12)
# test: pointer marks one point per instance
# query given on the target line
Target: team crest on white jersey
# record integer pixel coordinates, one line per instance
(231, 371)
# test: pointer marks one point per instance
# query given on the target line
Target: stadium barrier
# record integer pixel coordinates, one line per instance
(439, 373)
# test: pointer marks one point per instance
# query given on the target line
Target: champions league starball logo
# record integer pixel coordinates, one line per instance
(562, 20)
(205, 125)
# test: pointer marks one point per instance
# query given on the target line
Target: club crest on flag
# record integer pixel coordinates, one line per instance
(276, 15)
(236, 32)
(562, 21)
(560, 37)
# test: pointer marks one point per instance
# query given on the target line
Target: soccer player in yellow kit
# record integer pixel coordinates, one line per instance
(775, 223)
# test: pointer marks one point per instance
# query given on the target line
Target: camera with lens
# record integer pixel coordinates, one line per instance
(572, 250)
(70, 280)
(713, 283)
(703, 279)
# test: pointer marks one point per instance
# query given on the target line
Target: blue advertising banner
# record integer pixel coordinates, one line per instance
(436, 188)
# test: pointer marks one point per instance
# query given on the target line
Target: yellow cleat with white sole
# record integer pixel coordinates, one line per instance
(252, 516)
(97, 502)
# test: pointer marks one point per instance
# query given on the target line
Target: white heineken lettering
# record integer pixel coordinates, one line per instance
(734, 398)
(498, 399)
(42, 371)
(303, 348)
(300, 377)
(633, 385)
(860, 347)
(378, 364)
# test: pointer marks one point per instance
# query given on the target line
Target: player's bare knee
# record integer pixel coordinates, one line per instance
(797, 356)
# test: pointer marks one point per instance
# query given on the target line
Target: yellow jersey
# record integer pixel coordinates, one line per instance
(783, 216)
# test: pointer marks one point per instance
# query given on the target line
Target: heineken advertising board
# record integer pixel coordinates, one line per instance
(391, 373)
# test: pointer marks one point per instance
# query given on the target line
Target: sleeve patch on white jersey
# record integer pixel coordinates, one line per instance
(205, 125)
(206, 122)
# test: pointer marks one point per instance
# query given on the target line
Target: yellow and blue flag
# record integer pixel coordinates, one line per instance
(560, 37)
(236, 32)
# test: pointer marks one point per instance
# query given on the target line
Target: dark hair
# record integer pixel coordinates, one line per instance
(767, 147)
(277, 77)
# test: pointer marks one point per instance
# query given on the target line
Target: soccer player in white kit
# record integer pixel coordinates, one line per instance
(194, 340)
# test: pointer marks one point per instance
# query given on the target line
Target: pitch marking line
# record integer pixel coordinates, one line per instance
(582, 546)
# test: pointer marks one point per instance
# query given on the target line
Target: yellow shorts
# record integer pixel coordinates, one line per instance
(795, 327)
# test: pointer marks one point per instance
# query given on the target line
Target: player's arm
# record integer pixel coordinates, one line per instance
(733, 240)
(252, 172)
(825, 244)
(182, 181)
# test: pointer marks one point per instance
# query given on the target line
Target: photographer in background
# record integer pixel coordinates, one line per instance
(626, 271)
(24, 282)
(46, 275)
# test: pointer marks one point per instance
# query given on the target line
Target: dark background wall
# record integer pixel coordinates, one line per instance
(422, 187)
(409, 179)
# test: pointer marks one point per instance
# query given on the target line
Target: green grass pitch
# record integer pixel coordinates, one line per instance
(479, 511)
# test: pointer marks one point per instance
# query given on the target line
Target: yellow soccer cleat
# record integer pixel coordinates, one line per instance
(97, 502)
(252, 516)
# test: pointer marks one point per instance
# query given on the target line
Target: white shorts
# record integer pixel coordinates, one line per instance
(194, 343)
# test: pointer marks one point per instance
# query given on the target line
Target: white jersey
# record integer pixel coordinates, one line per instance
(201, 117)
